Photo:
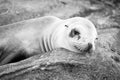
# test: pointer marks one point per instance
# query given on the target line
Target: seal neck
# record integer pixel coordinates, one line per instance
(57, 36)
(54, 37)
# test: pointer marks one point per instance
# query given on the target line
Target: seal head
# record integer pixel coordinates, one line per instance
(80, 35)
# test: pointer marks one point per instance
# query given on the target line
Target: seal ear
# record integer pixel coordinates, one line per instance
(66, 26)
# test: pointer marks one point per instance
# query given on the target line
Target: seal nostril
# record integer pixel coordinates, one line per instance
(89, 47)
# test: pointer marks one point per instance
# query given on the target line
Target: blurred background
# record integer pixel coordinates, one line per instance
(105, 14)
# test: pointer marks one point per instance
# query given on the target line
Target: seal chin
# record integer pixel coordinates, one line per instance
(87, 49)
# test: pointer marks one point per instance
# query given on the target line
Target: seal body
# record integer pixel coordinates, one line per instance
(30, 37)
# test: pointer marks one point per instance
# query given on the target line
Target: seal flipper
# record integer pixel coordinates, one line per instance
(3, 54)
(7, 59)
(10, 56)
(20, 55)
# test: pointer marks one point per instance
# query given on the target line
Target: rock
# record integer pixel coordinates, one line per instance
(62, 64)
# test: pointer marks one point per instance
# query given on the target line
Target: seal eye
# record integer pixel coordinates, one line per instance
(74, 33)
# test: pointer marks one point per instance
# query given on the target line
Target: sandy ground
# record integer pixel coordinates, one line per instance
(104, 64)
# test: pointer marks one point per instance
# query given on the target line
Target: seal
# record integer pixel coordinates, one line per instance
(26, 38)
